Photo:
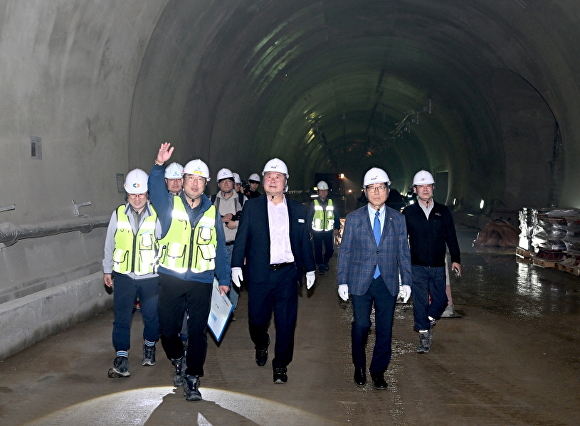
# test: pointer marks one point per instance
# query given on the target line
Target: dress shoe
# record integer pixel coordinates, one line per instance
(280, 375)
(262, 354)
(379, 382)
(360, 377)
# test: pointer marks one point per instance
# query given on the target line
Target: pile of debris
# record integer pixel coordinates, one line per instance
(497, 233)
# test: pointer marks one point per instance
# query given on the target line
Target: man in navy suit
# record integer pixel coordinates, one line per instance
(373, 253)
(273, 239)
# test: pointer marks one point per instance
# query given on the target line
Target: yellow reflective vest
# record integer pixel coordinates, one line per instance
(323, 219)
(135, 253)
(183, 248)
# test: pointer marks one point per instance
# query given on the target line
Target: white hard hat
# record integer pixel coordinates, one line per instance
(174, 171)
(276, 165)
(322, 185)
(254, 177)
(423, 178)
(225, 174)
(197, 167)
(136, 182)
(237, 178)
(376, 175)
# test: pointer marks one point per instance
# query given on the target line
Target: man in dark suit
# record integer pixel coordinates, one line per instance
(373, 253)
(273, 239)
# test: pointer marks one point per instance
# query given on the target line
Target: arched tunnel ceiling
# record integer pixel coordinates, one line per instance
(325, 85)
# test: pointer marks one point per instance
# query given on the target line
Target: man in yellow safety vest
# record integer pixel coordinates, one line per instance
(324, 225)
(130, 256)
(192, 253)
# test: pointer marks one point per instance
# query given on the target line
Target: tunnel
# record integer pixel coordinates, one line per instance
(483, 94)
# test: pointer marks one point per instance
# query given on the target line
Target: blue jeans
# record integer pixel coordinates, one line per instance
(126, 289)
(384, 302)
(428, 283)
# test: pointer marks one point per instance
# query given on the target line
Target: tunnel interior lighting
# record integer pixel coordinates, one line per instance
(481, 204)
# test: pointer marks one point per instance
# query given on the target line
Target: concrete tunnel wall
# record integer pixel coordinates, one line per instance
(318, 84)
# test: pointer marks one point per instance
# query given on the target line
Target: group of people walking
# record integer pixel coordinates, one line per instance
(385, 255)
(169, 242)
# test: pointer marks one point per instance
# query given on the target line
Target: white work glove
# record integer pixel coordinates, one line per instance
(343, 292)
(405, 293)
(237, 276)
(310, 279)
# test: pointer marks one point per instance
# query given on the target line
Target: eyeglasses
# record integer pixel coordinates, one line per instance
(380, 188)
(138, 195)
(193, 178)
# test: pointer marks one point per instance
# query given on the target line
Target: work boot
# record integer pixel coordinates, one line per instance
(191, 388)
(120, 368)
(432, 321)
(178, 376)
(280, 376)
(148, 355)
(424, 342)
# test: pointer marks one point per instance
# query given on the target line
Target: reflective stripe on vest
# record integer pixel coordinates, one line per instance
(135, 253)
(323, 220)
(184, 249)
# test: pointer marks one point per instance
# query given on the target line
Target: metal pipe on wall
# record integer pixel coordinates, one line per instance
(11, 233)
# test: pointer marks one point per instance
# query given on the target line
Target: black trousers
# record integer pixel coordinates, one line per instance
(278, 295)
(175, 296)
(323, 238)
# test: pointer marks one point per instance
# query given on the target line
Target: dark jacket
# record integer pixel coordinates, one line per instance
(429, 239)
(253, 240)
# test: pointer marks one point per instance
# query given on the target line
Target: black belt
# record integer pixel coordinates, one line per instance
(229, 243)
(276, 266)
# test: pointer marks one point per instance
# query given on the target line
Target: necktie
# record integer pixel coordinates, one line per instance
(377, 234)
(377, 228)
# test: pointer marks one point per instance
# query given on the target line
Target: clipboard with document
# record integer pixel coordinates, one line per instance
(220, 311)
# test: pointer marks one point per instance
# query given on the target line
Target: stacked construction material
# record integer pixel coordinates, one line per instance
(571, 263)
(555, 235)
(572, 238)
(526, 230)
